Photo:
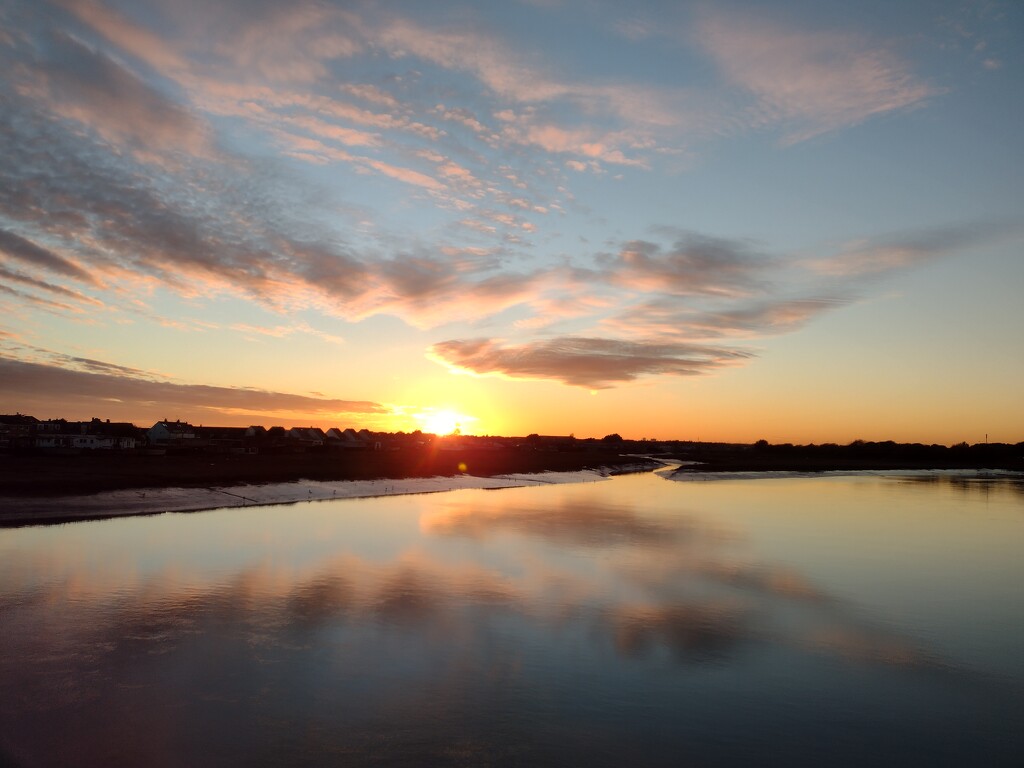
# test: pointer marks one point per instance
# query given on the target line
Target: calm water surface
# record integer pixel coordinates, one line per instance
(807, 621)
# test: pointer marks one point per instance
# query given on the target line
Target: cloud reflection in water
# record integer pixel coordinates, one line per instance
(456, 627)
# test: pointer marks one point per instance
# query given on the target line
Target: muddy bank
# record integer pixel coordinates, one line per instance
(18, 511)
(50, 476)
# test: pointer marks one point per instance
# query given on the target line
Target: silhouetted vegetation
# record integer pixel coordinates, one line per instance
(859, 454)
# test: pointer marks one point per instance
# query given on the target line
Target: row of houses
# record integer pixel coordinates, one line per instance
(254, 439)
(21, 432)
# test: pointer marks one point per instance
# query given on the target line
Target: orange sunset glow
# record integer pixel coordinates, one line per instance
(670, 221)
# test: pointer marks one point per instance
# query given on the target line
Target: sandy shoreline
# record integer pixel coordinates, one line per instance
(19, 510)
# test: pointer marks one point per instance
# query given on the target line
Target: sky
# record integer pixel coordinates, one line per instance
(800, 222)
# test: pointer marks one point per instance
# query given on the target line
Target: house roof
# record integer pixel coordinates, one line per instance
(222, 433)
(175, 427)
(18, 419)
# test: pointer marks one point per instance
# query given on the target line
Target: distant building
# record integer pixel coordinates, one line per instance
(121, 435)
(172, 434)
(17, 430)
(97, 434)
(307, 437)
(221, 439)
(347, 439)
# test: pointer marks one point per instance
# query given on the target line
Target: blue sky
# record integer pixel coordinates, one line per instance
(801, 222)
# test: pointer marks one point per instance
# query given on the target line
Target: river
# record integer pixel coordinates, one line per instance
(833, 620)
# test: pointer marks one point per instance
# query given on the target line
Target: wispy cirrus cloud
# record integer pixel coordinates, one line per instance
(880, 256)
(808, 82)
(137, 41)
(79, 83)
(132, 231)
(59, 290)
(273, 67)
(290, 43)
(667, 319)
(228, 76)
(46, 304)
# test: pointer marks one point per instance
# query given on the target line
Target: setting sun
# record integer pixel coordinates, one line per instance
(444, 422)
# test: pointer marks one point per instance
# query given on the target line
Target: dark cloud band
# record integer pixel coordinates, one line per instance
(585, 362)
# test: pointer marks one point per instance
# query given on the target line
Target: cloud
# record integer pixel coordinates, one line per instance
(82, 84)
(46, 304)
(60, 290)
(462, 116)
(287, 43)
(594, 363)
(79, 382)
(370, 93)
(316, 151)
(208, 235)
(227, 58)
(89, 365)
(573, 301)
(342, 135)
(138, 42)
(214, 236)
(287, 47)
(268, 42)
(406, 175)
(283, 331)
(266, 80)
(603, 146)
(17, 247)
(695, 265)
(882, 255)
(428, 292)
(668, 319)
(512, 75)
(810, 82)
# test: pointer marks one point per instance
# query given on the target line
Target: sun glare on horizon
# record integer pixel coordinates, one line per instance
(444, 422)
